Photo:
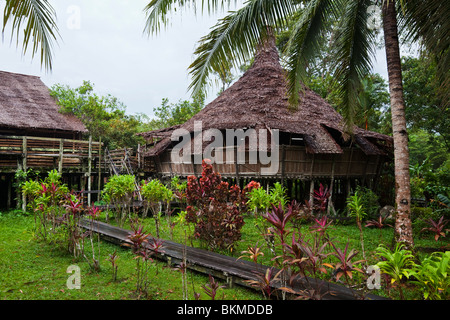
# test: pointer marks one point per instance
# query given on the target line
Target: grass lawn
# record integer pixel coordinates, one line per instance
(31, 269)
(37, 271)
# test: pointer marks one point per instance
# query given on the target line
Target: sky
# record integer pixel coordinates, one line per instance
(102, 41)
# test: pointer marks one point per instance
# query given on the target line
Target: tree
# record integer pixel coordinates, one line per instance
(104, 116)
(235, 37)
(170, 114)
(425, 108)
(40, 29)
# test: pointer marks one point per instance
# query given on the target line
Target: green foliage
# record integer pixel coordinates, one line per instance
(155, 193)
(356, 207)
(170, 114)
(40, 27)
(432, 276)
(258, 200)
(428, 182)
(105, 117)
(369, 200)
(396, 264)
(119, 191)
(278, 195)
(425, 109)
(357, 210)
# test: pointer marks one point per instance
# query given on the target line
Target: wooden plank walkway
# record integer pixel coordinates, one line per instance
(227, 268)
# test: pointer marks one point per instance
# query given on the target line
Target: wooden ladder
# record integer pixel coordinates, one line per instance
(125, 167)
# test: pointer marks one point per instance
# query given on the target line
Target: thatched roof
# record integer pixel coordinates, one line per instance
(259, 100)
(25, 103)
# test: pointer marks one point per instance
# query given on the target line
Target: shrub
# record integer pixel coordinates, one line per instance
(396, 264)
(432, 276)
(119, 191)
(154, 194)
(369, 201)
(215, 208)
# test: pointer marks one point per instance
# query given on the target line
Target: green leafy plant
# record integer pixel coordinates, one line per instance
(356, 210)
(119, 192)
(278, 195)
(259, 201)
(45, 199)
(396, 264)
(155, 194)
(432, 276)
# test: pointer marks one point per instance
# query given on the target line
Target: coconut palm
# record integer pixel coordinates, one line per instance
(38, 19)
(235, 37)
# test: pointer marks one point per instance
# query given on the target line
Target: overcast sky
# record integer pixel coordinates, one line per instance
(102, 41)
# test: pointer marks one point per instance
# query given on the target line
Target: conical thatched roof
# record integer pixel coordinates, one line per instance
(25, 103)
(259, 100)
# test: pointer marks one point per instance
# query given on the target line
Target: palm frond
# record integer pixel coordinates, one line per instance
(157, 11)
(355, 44)
(304, 42)
(235, 37)
(40, 28)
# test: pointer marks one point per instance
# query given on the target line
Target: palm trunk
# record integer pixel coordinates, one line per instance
(403, 228)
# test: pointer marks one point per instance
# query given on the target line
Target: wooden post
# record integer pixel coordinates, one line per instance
(24, 168)
(61, 155)
(89, 170)
(99, 165)
(139, 156)
(18, 193)
(283, 168)
(311, 192)
(330, 202)
(8, 200)
(236, 165)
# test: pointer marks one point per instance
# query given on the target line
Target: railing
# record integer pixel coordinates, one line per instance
(41, 152)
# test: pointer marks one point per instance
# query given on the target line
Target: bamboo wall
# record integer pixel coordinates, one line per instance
(294, 163)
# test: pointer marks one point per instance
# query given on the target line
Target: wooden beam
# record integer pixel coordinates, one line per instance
(89, 170)
(24, 168)
(236, 165)
(61, 155)
(47, 139)
(330, 202)
(99, 165)
(283, 165)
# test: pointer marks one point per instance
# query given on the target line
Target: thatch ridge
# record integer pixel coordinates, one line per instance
(25, 103)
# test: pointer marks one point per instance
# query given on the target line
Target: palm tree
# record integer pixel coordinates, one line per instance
(40, 27)
(235, 37)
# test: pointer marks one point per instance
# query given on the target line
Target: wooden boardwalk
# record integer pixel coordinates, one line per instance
(227, 268)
